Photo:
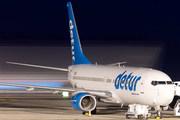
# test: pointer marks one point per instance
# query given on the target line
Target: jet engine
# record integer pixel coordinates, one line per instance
(83, 101)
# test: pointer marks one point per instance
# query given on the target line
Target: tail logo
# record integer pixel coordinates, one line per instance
(71, 26)
(124, 81)
(77, 53)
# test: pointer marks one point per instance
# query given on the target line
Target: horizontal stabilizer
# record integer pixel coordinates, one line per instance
(38, 66)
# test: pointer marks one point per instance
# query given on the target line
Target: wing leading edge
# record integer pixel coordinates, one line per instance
(101, 94)
(38, 66)
(40, 87)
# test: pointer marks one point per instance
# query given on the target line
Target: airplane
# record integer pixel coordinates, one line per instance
(121, 85)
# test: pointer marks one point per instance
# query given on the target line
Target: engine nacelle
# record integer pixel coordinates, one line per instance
(83, 102)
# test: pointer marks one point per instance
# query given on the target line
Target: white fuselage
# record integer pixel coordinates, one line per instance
(127, 84)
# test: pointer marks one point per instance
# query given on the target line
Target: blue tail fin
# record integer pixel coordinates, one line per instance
(77, 53)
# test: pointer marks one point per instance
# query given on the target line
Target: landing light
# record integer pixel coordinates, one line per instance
(65, 94)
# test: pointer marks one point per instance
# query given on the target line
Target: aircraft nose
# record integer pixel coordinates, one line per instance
(166, 94)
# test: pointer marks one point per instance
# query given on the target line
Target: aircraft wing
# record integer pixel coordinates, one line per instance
(40, 87)
(101, 94)
(38, 66)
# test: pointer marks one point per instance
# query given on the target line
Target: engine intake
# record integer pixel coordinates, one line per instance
(83, 102)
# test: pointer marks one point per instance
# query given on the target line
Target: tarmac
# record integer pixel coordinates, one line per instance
(46, 106)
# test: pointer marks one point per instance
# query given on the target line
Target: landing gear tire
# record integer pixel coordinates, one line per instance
(127, 116)
(84, 112)
(140, 117)
(94, 111)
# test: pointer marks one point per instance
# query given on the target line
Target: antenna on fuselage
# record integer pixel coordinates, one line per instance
(118, 64)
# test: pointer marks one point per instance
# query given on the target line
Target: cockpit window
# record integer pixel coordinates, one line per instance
(161, 82)
(169, 82)
(154, 83)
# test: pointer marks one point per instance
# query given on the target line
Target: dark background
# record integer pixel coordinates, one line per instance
(100, 23)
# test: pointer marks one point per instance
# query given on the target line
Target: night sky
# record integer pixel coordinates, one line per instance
(116, 20)
(102, 22)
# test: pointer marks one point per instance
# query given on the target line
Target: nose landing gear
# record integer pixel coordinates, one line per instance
(158, 114)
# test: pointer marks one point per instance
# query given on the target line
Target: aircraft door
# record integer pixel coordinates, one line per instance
(142, 85)
(104, 82)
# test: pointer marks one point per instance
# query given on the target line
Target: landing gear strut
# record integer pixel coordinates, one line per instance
(158, 114)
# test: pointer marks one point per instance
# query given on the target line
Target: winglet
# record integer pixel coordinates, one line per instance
(77, 53)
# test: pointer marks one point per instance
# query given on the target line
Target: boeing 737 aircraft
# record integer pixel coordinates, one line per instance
(108, 83)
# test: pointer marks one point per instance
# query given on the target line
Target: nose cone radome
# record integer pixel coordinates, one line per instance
(165, 92)
(166, 95)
